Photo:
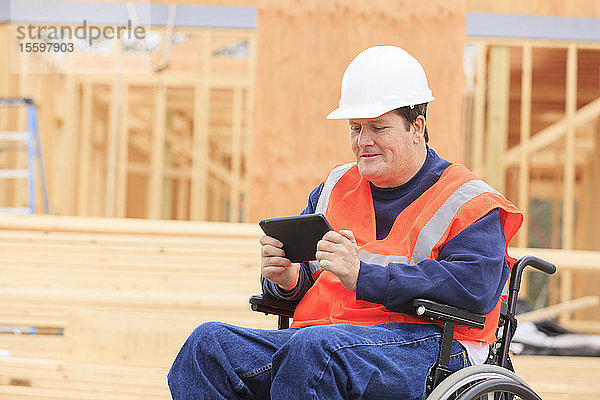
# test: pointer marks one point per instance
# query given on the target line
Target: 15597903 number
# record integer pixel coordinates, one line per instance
(46, 47)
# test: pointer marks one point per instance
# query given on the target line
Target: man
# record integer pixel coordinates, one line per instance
(407, 224)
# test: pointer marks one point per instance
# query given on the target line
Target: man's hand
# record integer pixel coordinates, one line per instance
(337, 252)
(274, 266)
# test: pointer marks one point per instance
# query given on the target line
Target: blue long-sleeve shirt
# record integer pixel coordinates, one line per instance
(470, 271)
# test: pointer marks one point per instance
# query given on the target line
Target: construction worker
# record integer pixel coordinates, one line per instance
(407, 224)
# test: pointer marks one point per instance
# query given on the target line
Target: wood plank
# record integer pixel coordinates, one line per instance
(569, 166)
(127, 294)
(199, 178)
(571, 378)
(525, 133)
(478, 127)
(568, 209)
(55, 379)
(182, 211)
(34, 346)
(555, 310)
(154, 198)
(47, 223)
(594, 221)
(552, 133)
(250, 97)
(498, 99)
(115, 108)
(565, 259)
(122, 158)
(235, 191)
(85, 146)
(540, 43)
(121, 243)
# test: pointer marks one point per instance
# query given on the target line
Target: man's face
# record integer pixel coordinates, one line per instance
(388, 154)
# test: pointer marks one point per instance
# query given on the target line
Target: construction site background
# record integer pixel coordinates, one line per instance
(161, 155)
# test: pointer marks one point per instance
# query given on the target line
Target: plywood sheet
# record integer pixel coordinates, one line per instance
(303, 49)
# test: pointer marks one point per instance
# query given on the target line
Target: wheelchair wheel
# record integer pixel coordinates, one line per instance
(459, 381)
(492, 388)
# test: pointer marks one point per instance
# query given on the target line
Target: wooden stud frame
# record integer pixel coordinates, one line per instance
(91, 177)
(572, 171)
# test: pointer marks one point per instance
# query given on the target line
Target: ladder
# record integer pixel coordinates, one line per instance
(31, 139)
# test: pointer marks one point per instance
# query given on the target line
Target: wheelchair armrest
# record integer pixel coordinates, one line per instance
(421, 307)
(444, 312)
(272, 305)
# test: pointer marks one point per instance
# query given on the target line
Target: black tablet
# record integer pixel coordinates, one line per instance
(299, 234)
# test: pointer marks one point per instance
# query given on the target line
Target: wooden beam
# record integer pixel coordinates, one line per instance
(569, 166)
(477, 132)
(549, 189)
(183, 199)
(498, 104)
(115, 108)
(538, 43)
(157, 150)
(167, 185)
(549, 135)
(565, 260)
(176, 79)
(595, 192)
(200, 162)
(525, 133)
(568, 210)
(556, 227)
(100, 137)
(250, 96)
(555, 310)
(122, 157)
(550, 157)
(70, 134)
(85, 152)
(235, 191)
(582, 227)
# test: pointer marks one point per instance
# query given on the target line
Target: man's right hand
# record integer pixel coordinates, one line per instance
(274, 266)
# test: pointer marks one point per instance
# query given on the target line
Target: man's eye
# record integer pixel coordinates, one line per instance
(355, 129)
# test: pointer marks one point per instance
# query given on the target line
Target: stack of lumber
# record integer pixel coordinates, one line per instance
(113, 300)
(561, 378)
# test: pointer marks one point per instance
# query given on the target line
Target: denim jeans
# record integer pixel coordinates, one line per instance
(392, 360)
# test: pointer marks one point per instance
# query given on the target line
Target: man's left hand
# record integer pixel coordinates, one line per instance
(337, 252)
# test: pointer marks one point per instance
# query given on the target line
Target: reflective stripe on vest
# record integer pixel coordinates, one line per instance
(433, 231)
(333, 178)
(380, 259)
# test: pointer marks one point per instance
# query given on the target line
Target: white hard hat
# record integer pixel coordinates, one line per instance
(381, 79)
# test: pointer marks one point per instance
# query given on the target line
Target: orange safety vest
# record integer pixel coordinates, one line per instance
(455, 201)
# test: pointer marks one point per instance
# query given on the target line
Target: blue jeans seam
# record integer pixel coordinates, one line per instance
(256, 371)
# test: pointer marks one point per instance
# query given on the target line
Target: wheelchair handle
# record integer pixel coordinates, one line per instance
(513, 293)
(531, 261)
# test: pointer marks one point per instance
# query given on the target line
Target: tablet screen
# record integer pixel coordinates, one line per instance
(299, 234)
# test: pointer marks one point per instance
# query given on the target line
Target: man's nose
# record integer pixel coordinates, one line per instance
(364, 138)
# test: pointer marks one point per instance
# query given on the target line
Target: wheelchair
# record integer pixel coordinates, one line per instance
(495, 379)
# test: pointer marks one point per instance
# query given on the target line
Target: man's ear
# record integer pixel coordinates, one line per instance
(419, 133)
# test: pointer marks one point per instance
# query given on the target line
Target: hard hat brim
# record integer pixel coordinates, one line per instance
(374, 111)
